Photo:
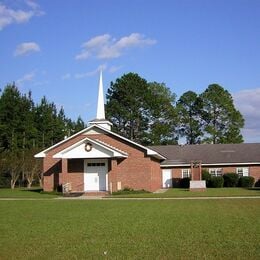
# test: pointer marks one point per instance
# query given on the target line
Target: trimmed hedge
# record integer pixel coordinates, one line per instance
(246, 181)
(230, 179)
(257, 184)
(216, 182)
(185, 183)
(128, 190)
(206, 177)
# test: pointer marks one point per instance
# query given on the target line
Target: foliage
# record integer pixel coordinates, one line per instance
(206, 176)
(257, 183)
(185, 182)
(230, 179)
(189, 108)
(222, 122)
(216, 182)
(141, 111)
(246, 181)
(26, 128)
(128, 190)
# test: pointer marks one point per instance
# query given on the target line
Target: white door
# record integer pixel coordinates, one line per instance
(95, 176)
(166, 178)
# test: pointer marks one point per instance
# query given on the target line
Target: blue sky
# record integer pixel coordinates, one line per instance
(55, 48)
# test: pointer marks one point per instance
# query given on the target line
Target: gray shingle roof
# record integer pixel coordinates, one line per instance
(210, 153)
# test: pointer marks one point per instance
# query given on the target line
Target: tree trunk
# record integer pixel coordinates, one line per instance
(29, 184)
(13, 184)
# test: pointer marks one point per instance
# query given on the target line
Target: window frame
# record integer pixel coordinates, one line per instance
(243, 173)
(216, 172)
(186, 175)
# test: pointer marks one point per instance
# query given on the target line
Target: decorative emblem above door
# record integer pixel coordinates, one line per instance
(88, 147)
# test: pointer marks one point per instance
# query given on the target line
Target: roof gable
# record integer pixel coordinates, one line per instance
(91, 129)
(97, 150)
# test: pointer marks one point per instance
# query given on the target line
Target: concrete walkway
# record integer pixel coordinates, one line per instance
(113, 198)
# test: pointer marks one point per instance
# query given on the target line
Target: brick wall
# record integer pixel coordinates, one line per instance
(137, 171)
(52, 168)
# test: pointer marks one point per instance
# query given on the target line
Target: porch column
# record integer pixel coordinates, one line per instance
(112, 178)
(64, 170)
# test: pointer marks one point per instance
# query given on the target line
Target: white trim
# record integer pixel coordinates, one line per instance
(150, 152)
(115, 152)
(209, 164)
(189, 172)
(43, 153)
(245, 171)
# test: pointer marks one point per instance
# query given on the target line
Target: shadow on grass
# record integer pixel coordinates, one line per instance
(36, 190)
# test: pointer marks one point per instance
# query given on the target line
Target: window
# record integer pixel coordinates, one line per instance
(242, 171)
(96, 164)
(215, 171)
(185, 173)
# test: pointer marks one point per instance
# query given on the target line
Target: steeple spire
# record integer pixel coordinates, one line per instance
(100, 103)
(100, 116)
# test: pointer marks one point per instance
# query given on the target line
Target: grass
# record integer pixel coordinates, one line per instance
(33, 193)
(210, 192)
(201, 229)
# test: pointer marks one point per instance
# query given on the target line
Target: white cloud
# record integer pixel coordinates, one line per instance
(25, 78)
(9, 16)
(248, 103)
(90, 73)
(26, 48)
(113, 69)
(106, 47)
(66, 76)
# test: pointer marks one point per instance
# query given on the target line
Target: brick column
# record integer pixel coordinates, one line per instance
(64, 171)
(112, 178)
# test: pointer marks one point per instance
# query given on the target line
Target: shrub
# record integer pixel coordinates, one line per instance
(128, 190)
(246, 181)
(216, 182)
(185, 183)
(230, 179)
(206, 176)
(257, 184)
(176, 182)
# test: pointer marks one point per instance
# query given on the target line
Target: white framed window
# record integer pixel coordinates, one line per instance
(215, 171)
(243, 171)
(185, 173)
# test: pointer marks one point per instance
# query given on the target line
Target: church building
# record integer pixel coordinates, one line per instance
(98, 160)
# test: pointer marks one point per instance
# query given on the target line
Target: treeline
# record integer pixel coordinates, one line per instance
(25, 129)
(142, 111)
(148, 113)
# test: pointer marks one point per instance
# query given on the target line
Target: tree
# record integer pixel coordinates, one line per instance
(13, 164)
(141, 111)
(189, 108)
(126, 106)
(31, 167)
(222, 122)
(161, 115)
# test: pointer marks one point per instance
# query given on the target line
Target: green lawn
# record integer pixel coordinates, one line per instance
(25, 193)
(65, 229)
(210, 192)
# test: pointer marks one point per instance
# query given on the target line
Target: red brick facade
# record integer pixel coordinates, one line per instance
(137, 171)
(254, 171)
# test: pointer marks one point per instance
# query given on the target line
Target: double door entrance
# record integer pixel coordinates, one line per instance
(95, 175)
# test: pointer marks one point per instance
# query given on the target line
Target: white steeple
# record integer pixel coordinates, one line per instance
(100, 116)
(100, 103)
